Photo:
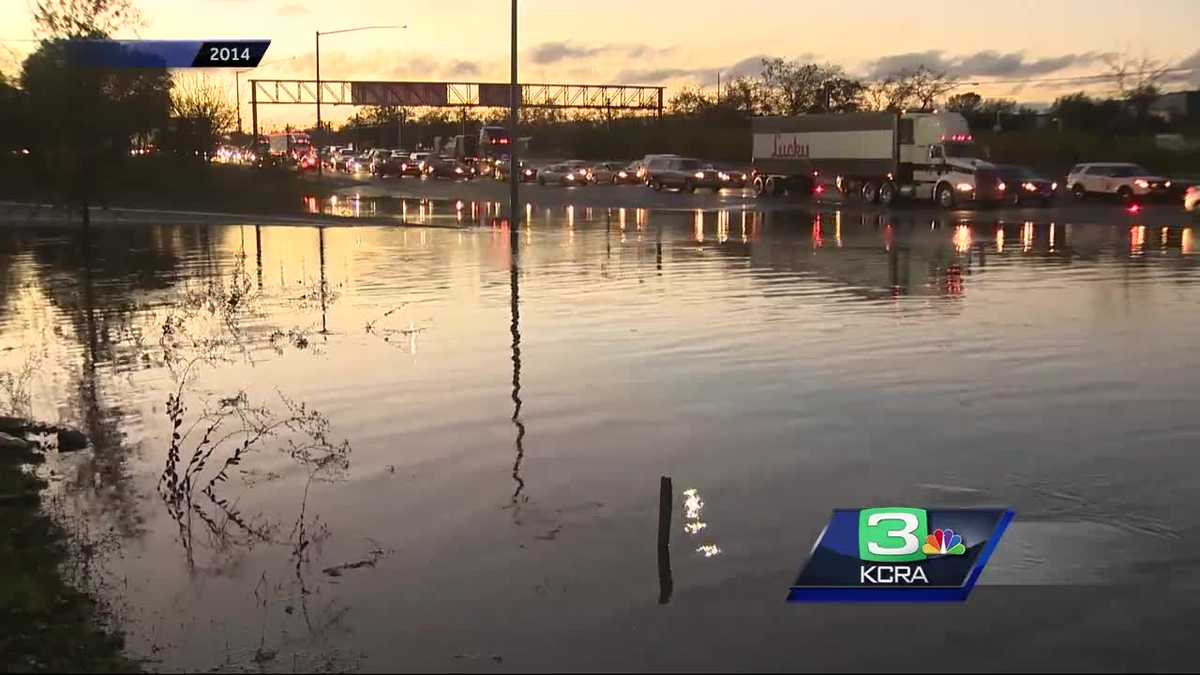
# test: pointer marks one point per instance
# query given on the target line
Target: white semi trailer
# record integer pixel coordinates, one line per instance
(879, 157)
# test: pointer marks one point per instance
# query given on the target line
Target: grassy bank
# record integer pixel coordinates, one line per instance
(172, 184)
(45, 625)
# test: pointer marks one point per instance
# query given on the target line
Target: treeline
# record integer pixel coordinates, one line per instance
(716, 124)
(67, 132)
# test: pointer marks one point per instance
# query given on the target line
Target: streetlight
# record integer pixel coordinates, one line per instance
(237, 93)
(320, 165)
(514, 101)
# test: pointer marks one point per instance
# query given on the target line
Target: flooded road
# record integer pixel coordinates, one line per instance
(441, 448)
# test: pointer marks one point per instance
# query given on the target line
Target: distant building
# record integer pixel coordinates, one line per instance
(1176, 106)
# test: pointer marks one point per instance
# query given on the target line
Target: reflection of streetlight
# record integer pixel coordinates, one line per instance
(320, 167)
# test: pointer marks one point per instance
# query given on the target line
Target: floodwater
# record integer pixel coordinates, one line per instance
(442, 448)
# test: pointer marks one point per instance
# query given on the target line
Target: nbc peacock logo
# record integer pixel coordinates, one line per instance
(944, 542)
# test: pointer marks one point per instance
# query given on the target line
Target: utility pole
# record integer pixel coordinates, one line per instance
(254, 113)
(320, 164)
(514, 102)
(237, 95)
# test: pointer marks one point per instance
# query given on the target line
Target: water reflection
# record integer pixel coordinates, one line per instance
(693, 523)
(1137, 240)
(514, 281)
(636, 344)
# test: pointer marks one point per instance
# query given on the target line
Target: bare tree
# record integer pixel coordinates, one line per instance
(742, 94)
(795, 87)
(690, 101)
(202, 109)
(67, 19)
(920, 87)
(888, 94)
(1137, 80)
(926, 86)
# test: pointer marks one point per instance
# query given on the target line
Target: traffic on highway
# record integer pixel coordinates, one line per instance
(884, 159)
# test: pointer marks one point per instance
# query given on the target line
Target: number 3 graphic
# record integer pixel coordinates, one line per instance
(910, 525)
(892, 534)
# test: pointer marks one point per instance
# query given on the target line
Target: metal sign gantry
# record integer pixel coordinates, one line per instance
(454, 95)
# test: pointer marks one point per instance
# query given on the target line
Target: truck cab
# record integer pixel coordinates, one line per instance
(945, 162)
(494, 142)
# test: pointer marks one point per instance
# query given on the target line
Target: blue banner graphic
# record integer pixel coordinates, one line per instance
(120, 54)
(900, 554)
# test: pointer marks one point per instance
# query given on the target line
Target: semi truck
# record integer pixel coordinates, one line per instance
(463, 148)
(292, 145)
(880, 157)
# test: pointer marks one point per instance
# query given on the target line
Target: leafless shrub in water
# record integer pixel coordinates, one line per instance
(211, 439)
(295, 336)
(15, 397)
(404, 338)
(205, 326)
(315, 295)
(202, 454)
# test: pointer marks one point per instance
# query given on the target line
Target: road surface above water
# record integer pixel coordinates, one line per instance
(1064, 209)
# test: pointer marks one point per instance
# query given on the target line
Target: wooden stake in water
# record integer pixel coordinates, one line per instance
(666, 585)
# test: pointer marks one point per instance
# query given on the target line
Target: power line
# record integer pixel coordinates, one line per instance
(1079, 78)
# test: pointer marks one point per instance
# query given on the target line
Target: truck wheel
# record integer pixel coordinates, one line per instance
(887, 193)
(870, 192)
(1125, 193)
(945, 197)
(655, 185)
(760, 186)
(774, 189)
(1079, 192)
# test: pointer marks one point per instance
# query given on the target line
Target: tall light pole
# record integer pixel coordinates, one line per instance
(514, 103)
(237, 93)
(320, 164)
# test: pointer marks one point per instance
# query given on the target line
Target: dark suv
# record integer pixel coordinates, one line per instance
(682, 173)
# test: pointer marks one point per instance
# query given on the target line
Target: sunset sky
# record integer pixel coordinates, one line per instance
(672, 42)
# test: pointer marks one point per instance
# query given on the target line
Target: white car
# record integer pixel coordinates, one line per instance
(1191, 199)
(605, 172)
(1110, 178)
